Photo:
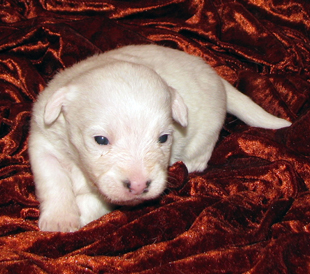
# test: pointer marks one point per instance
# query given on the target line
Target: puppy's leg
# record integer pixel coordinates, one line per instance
(195, 157)
(58, 208)
(91, 207)
(194, 145)
(89, 201)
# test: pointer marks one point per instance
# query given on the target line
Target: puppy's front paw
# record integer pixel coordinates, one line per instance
(59, 221)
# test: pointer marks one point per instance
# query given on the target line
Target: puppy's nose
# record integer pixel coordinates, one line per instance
(136, 187)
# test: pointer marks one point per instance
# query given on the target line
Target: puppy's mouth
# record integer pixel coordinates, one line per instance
(128, 199)
(132, 202)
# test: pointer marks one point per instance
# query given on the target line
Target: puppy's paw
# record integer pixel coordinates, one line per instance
(56, 221)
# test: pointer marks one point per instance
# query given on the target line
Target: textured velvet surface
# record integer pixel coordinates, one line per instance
(249, 212)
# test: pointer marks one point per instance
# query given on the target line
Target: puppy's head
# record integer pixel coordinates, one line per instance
(119, 121)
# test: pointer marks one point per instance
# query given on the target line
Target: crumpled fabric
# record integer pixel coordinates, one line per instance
(248, 212)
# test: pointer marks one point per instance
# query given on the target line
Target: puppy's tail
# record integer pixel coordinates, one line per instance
(252, 114)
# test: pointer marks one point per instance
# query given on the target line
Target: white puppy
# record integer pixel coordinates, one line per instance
(105, 130)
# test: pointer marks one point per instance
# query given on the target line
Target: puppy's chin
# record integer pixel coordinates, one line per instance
(132, 202)
(129, 199)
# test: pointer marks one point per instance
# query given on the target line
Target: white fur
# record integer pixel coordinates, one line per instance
(131, 96)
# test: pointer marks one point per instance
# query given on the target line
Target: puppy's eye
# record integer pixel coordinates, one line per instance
(163, 139)
(101, 140)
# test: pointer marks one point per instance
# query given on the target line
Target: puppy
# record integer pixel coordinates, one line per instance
(105, 130)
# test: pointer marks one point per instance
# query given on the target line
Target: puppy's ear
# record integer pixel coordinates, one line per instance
(179, 109)
(54, 105)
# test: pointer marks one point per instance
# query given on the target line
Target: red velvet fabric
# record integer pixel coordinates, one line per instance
(249, 212)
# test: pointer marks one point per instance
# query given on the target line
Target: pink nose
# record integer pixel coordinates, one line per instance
(136, 187)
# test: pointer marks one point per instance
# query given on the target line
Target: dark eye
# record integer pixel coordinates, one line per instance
(101, 140)
(163, 139)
